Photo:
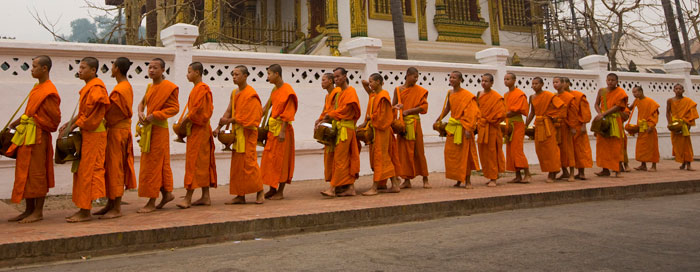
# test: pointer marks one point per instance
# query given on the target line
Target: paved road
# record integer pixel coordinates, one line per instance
(654, 234)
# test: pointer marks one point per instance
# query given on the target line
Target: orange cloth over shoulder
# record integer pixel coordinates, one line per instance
(328, 151)
(277, 161)
(567, 120)
(200, 164)
(516, 101)
(34, 165)
(647, 149)
(461, 159)
(346, 156)
(89, 180)
(383, 153)
(686, 110)
(490, 139)
(155, 172)
(245, 172)
(547, 107)
(582, 146)
(412, 161)
(119, 161)
(604, 157)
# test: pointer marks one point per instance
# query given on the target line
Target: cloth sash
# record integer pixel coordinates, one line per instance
(146, 130)
(25, 133)
(614, 125)
(410, 121)
(454, 127)
(543, 128)
(484, 128)
(684, 129)
(643, 126)
(509, 122)
(275, 126)
(123, 124)
(76, 163)
(344, 125)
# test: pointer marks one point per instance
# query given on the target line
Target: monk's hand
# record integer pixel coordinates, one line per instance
(281, 136)
(398, 106)
(150, 118)
(216, 132)
(62, 128)
(142, 117)
(598, 117)
(15, 123)
(573, 131)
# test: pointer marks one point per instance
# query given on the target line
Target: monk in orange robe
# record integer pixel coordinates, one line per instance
(200, 164)
(89, 179)
(414, 101)
(516, 107)
(544, 107)
(34, 164)
(346, 156)
(460, 149)
(647, 149)
(565, 132)
(277, 162)
(683, 109)
(328, 85)
(160, 103)
(490, 140)
(609, 104)
(583, 155)
(119, 161)
(244, 112)
(382, 151)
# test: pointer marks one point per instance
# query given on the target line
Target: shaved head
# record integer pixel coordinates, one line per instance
(44, 60)
(161, 61)
(198, 67)
(92, 62)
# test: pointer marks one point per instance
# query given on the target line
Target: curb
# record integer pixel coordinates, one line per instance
(26, 253)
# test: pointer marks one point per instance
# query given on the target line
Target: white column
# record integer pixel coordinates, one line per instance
(180, 37)
(679, 67)
(596, 63)
(366, 49)
(497, 57)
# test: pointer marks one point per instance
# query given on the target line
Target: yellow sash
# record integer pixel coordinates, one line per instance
(684, 130)
(25, 133)
(509, 122)
(146, 130)
(410, 121)
(643, 126)
(275, 126)
(614, 125)
(344, 125)
(454, 127)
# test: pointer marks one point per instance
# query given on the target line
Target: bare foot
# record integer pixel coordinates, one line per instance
(527, 179)
(570, 179)
(202, 202)
(349, 192)
(393, 189)
(458, 184)
(682, 167)
(690, 169)
(73, 215)
(491, 183)
(641, 168)
(34, 217)
(20, 217)
(426, 184)
(147, 209)
(468, 185)
(185, 204)
(371, 192)
(549, 180)
(580, 177)
(111, 214)
(603, 174)
(618, 174)
(627, 168)
(167, 198)
(260, 197)
(406, 184)
(103, 210)
(653, 169)
(236, 200)
(270, 193)
(515, 180)
(79, 217)
(329, 193)
(382, 187)
(563, 176)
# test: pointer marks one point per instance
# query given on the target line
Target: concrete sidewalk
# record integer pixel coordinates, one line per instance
(304, 209)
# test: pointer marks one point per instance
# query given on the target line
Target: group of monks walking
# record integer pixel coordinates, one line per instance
(475, 132)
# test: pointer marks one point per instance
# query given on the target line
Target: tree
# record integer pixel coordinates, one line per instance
(399, 34)
(672, 30)
(82, 30)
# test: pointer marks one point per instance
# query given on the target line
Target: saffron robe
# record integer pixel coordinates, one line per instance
(490, 140)
(346, 156)
(647, 149)
(567, 120)
(245, 172)
(383, 154)
(547, 107)
(155, 172)
(684, 109)
(200, 164)
(462, 158)
(516, 101)
(582, 146)
(412, 161)
(277, 162)
(328, 150)
(119, 162)
(89, 180)
(604, 157)
(34, 164)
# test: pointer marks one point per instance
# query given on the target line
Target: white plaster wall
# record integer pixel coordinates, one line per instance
(429, 16)
(486, 36)
(344, 19)
(384, 29)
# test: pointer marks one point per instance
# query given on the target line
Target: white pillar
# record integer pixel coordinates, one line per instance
(596, 63)
(679, 67)
(497, 57)
(180, 37)
(366, 49)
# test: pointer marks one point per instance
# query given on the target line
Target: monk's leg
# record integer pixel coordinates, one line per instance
(270, 192)
(106, 208)
(406, 184)
(517, 178)
(642, 167)
(260, 197)
(186, 202)
(29, 206)
(426, 183)
(330, 192)
(167, 197)
(458, 184)
(688, 167)
(604, 173)
(149, 207)
(618, 174)
(468, 182)
(372, 190)
(528, 176)
(349, 192)
(395, 186)
(205, 199)
(115, 211)
(571, 174)
(564, 173)
(627, 166)
(581, 174)
(491, 183)
(279, 194)
(653, 167)
(382, 186)
(81, 216)
(238, 200)
(37, 211)
(551, 177)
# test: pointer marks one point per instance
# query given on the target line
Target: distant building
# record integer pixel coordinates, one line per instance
(694, 53)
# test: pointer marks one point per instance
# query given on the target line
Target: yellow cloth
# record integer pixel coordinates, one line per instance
(275, 126)
(614, 125)
(546, 124)
(145, 142)
(684, 130)
(410, 121)
(344, 125)
(643, 125)
(517, 118)
(454, 127)
(25, 133)
(239, 144)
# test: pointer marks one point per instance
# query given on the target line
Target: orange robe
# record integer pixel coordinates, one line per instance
(245, 172)
(43, 106)
(277, 162)
(686, 110)
(490, 140)
(547, 107)
(327, 150)
(462, 158)
(119, 162)
(604, 157)
(647, 149)
(412, 161)
(89, 180)
(567, 120)
(155, 173)
(346, 156)
(200, 164)
(516, 101)
(582, 146)
(382, 152)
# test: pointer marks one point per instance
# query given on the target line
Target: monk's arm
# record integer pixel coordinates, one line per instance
(446, 110)
(346, 110)
(169, 109)
(597, 103)
(93, 116)
(532, 113)
(612, 110)
(365, 85)
(48, 117)
(141, 109)
(668, 110)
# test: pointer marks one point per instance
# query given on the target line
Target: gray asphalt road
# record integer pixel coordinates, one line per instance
(654, 234)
